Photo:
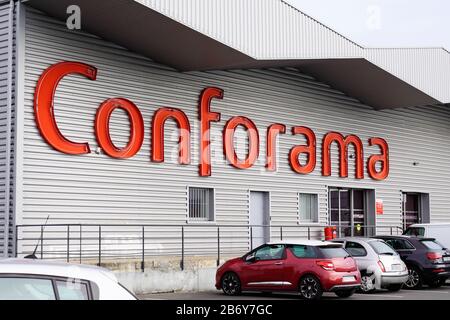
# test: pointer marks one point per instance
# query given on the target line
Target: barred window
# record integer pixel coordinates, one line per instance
(201, 204)
(308, 208)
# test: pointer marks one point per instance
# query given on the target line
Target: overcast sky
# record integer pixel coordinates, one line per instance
(384, 23)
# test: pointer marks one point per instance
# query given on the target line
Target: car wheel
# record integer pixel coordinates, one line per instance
(344, 293)
(415, 280)
(435, 283)
(310, 288)
(367, 283)
(395, 287)
(231, 285)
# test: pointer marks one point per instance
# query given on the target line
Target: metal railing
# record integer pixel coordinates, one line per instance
(99, 243)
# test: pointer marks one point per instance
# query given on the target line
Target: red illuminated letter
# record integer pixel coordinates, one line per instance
(343, 143)
(271, 152)
(228, 140)
(383, 159)
(102, 128)
(43, 105)
(184, 126)
(309, 149)
(206, 116)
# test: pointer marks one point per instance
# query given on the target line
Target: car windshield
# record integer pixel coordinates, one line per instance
(382, 248)
(415, 231)
(333, 252)
(433, 245)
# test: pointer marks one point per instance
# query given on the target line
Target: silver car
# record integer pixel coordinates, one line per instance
(380, 266)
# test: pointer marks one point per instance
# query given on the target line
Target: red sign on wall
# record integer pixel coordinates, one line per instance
(379, 206)
(377, 164)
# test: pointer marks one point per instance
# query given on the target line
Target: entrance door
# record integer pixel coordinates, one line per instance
(359, 213)
(259, 218)
(340, 211)
(348, 211)
(411, 209)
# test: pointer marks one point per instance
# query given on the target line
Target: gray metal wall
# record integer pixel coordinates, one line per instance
(275, 30)
(425, 68)
(263, 29)
(98, 189)
(7, 85)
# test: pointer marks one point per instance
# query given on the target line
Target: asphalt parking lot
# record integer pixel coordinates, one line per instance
(442, 293)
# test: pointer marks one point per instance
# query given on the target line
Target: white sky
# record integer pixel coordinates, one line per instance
(384, 23)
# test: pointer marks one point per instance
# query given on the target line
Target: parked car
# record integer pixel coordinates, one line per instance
(380, 266)
(308, 267)
(27, 279)
(427, 260)
(439, 231)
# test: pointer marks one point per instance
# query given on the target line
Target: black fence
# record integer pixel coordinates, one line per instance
(111, 242)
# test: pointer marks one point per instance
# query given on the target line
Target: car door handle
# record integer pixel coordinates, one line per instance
(278, 263)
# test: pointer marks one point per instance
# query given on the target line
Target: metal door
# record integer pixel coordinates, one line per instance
(259, 218)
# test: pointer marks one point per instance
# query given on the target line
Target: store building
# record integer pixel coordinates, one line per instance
(210, 114)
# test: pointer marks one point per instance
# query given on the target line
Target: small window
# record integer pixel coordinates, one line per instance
(308, 208)
(355, 249)
(398, 244)
(415, 231)
(333, 252)
(433, 245)
(26, 289)
(72, 290)
(382, 248)
(272, 252)
(201, 204)
(303, 251)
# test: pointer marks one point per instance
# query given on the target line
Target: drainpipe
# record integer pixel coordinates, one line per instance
(9, 106)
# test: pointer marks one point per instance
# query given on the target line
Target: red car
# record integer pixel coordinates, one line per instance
(307, 267)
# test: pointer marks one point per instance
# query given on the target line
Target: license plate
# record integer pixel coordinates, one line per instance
(396, 267)
(348, 279)
(446, 259)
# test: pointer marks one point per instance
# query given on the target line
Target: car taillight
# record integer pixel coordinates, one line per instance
(434, 256)
(326, 264)
(381, 265)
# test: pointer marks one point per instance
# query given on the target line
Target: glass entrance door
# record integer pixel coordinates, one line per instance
(359, 213)
(347, 211)
(340, 211)
(411, 209)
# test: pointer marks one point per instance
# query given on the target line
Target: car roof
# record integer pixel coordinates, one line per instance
(430, 225)
(313, 243)
(405, 237)
(356, 239)
(54, 268)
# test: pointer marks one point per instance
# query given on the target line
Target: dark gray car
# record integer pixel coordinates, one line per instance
(427, 260)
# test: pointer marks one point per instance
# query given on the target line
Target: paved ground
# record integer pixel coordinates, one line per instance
(424, 294)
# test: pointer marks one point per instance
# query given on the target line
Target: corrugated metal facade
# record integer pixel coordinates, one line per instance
(7, 73)
(262, 29)
(425, 68)
(275, 30)
(97, 189)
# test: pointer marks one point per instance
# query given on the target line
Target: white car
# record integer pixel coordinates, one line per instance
(28, 279)
(439, 231)
(381, 267)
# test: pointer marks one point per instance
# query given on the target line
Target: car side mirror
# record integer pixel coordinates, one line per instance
(250, 258)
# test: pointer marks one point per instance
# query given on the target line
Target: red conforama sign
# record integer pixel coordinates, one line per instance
(377, 165)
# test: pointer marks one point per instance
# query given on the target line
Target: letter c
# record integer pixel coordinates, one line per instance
(44, 100)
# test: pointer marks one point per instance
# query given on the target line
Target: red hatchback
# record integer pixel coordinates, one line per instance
(307, 267)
